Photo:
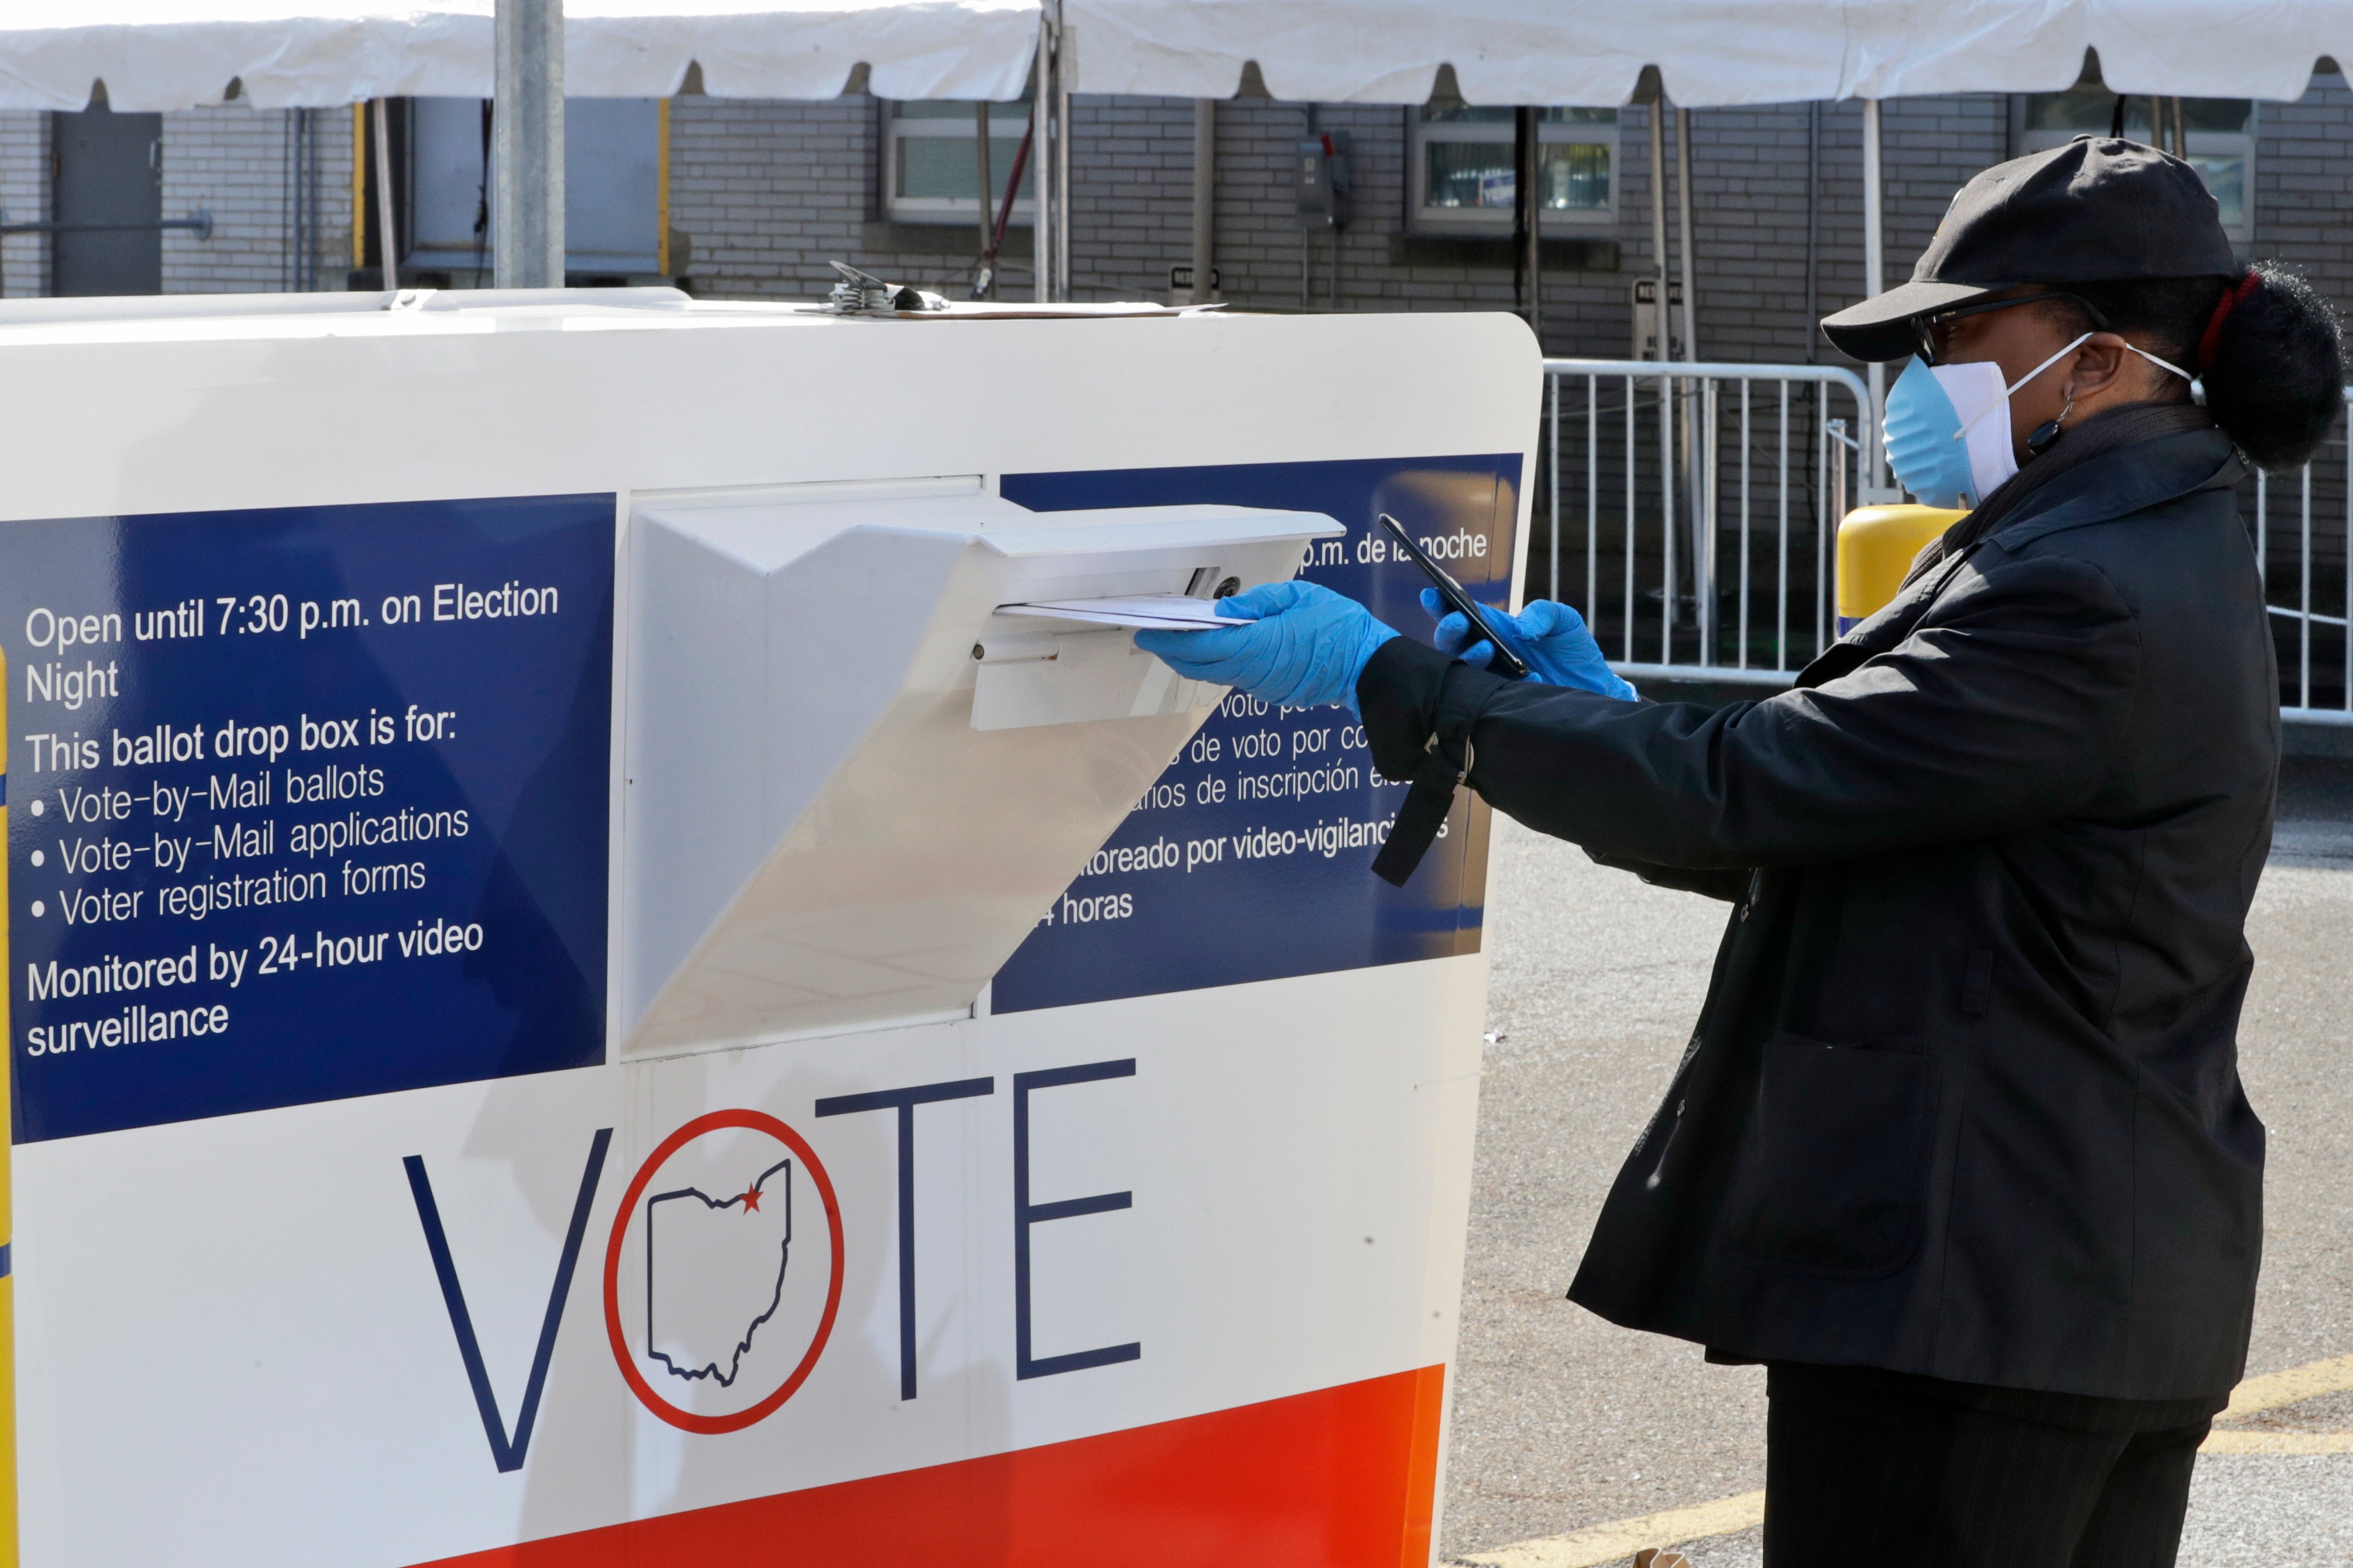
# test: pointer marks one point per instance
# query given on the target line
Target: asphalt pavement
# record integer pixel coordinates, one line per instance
(1562, 1422)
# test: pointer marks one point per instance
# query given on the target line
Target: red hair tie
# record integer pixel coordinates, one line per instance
(2231, 299)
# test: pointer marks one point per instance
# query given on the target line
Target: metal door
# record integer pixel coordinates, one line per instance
(109, 202)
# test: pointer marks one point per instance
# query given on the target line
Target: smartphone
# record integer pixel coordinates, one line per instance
(1511, 655)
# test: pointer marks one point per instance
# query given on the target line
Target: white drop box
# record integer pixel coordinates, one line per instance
(1170, 1155)
(851, 787)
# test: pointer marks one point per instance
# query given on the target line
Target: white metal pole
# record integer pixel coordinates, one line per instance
(388, 238)
(1698, 401)
(1874, 280)
(1061, 154)
(987, 186)
(1663, 318)
(1042, 161)
(527, 145)
(1204, 197)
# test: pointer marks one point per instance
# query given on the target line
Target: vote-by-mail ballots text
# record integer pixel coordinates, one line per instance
(582, 992)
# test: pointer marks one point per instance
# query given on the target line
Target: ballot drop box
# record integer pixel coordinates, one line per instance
(583, 991)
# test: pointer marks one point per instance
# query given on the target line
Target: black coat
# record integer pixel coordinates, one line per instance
(1963, 1100)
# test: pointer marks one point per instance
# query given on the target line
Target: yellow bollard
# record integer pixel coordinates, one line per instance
(1876, 547)
(7, 1229)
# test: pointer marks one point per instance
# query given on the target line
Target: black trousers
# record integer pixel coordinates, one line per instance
(1873, 1469)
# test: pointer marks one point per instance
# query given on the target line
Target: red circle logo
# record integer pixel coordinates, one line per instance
(707, 1343)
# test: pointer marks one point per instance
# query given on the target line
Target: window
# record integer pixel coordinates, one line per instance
(614, 168)
(2221, 133)
(1462, 177)
(931, 166)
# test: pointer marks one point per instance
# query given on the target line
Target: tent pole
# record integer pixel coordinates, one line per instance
(527, 145)
(1670, 393)
(1042, 180)
(1699, 402)
(1813, 226)
(1664, 317)
(981, 176)
(1053, 153)
(1689, 237)
(1874, 280)
(1061, 157)
(1536, 223)
(1527, 208)
(1205, 199)
(387, 235)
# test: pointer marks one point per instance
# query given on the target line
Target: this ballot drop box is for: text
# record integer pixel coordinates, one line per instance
(581, 993)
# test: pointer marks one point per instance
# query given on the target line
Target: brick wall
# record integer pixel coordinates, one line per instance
(241, 165)
(1131, 172)
(2303, 184)
(769, 192)
(24, 195)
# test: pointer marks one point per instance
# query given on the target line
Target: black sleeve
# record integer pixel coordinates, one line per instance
(1726, 883)
(1999, 712)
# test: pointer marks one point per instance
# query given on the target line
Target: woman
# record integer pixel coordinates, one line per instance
(1958, 1149)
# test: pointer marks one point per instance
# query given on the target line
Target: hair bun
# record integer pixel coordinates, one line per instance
(2232, 298)
(2275, 381)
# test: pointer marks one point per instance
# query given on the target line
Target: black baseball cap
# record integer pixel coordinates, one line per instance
(2099, 209)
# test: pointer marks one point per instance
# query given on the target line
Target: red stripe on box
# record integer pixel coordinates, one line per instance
(1341, 1478)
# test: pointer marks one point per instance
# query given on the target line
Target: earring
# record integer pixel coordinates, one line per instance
(2042, 435)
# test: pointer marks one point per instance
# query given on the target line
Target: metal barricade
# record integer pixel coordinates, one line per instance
(1703, 498)
(2316, 652)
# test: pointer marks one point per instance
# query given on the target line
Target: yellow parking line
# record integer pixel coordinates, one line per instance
(2290, 1387)
(1603, 1543)
(2278, 1443)
(1608, 1543)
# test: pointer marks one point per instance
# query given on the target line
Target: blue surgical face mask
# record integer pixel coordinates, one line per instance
(1922, 429)
(1943, 440)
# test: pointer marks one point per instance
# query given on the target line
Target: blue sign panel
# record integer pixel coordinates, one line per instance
(308, 804)
(1250, 859)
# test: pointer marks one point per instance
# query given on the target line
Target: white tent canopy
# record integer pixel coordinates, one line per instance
(176, 54)
(1709, 52)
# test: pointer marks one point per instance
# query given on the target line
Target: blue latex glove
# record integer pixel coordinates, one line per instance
(1558, 647)
(1299, 645)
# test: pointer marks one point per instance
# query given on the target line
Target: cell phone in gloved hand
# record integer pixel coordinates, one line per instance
(1510, 660)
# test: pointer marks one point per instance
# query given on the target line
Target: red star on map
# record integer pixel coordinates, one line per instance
(751, 1199)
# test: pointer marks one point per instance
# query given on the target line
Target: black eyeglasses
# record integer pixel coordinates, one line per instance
(1931, 328)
